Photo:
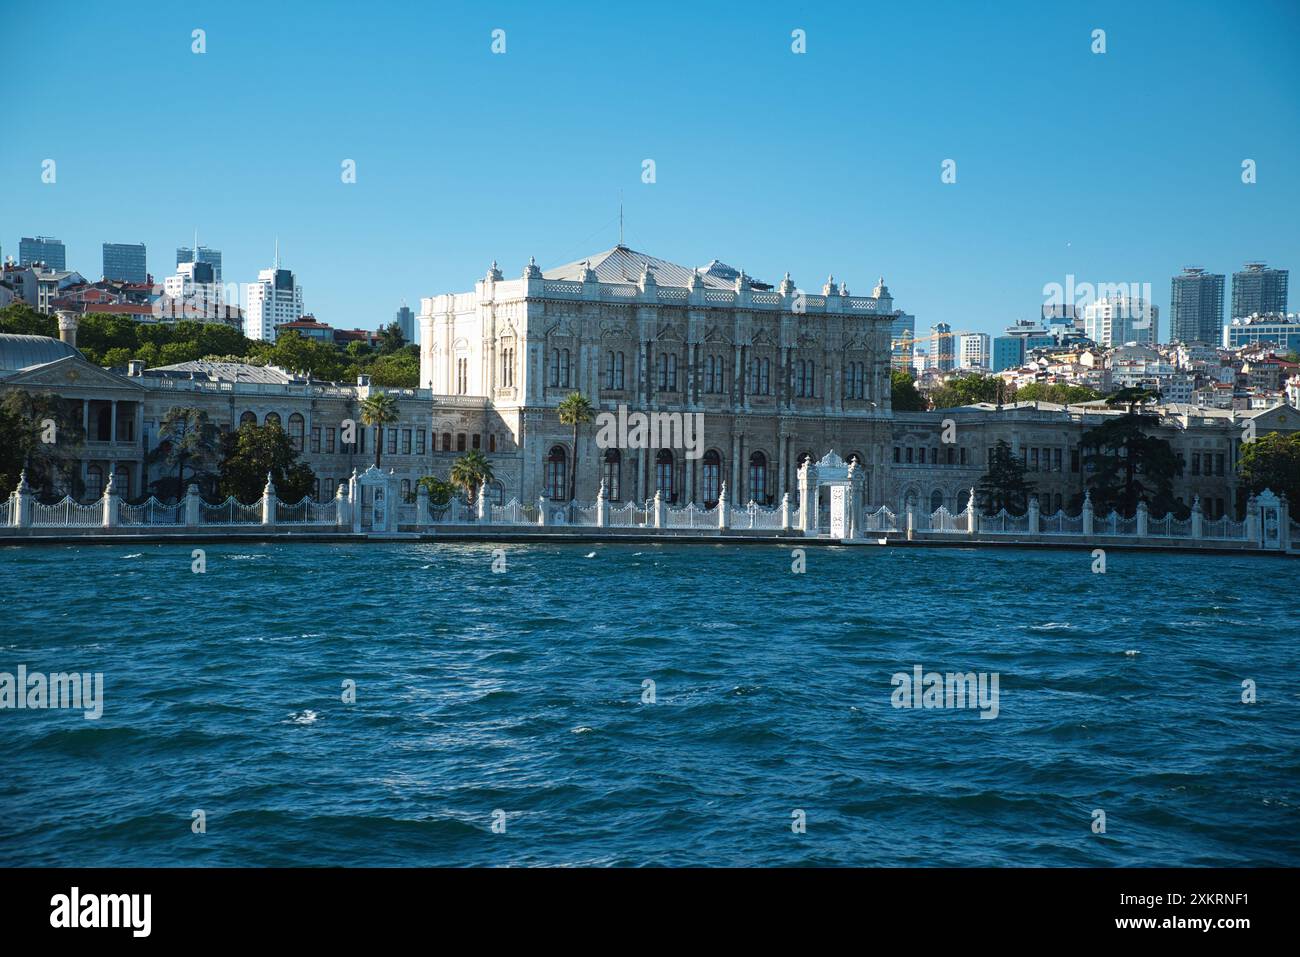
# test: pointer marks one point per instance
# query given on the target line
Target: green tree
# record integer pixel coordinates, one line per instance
(966, 390)
(903, 393)
(297, 354)
(390, 338)
(396, 371)
(440, 492)
(1126, 465)
(379, 410)
(470, 471)
(42, 433)
(1059, 392)
(20, 319)
(253, 451)
(1004, 485)
(575, 410)
(185, 438)
(1272, 461)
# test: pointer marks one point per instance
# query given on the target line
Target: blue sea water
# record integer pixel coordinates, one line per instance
(521, 692)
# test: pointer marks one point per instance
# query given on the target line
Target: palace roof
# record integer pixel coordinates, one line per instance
(622, 264)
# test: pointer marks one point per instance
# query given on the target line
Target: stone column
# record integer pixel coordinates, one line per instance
(342, 506)
(911, 521)
(1087, 513)
(110, 502)
(484, 507)
(1284, 523)
(659, 509)
(1033, 515)
(1142, 520)
(724, 508)
(785, 512)
(421, 506)
(268, 502)
(354, 502)
(192, 501)
(602, 506)
(1198, 519)
(112, 422)
(541, 510)
(972, 515)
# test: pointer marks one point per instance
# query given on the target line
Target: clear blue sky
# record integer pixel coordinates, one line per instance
(1121, 167)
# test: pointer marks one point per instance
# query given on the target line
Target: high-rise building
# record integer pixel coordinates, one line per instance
(941, 347)
(42, 249)
(405, 320)
(1196, 307)
(1119, 320)
(275, 298)
(1257, 291)
(186, 254)
(125, 262)
(974, 350)
(902, 334)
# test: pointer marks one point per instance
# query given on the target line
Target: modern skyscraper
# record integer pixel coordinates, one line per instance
(185, 254)
(903, 335)
(274, 298)
(42, 249)
(125, 261)
(941, 347)
(974, 350)
(1258, 290)
(1196, 307)
(1117, 321)
(405, 320)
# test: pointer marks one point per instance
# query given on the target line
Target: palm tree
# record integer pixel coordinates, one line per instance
(379, 410)
(470, 471)
(575, 410)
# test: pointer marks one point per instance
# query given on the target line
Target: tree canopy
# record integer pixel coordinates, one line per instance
(1272, 462)
(903, 393)
(1004, 485)
(253, 451)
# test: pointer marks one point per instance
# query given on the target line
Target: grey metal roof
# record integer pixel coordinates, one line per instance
(23, 352)
(622, 264)
(205, 370)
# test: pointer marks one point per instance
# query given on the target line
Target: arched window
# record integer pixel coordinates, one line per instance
(498, 492)
(856, 457)
(297, 426)
(712, 475)
(664, 474)
(94, 482)
(272, 418)
(555, 368)
(672, 372)
(611, 473)
(936, 500)
(803, 457)
(446, 441)
(963, 499)
(564, 368)
(708, 373)
(122, 482)
(614, 371)
(758, 477)
(556, 474)
(910, 498)
(248, 418)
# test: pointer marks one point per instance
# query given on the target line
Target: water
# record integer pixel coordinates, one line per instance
(521, 692)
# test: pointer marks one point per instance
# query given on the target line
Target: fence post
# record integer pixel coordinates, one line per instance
(1033, 515)
(724, 508)
(484, 506)
(192, 505)
(785, 512)
(109, 502)
(541, 510)
(911, 521)
(268, 502)
(972, 516)
(602, 506)
(341, 515)
(22, 501)
(1087, 512)
(659, 509)
(1284, 523)
(421, 506)
(1143, 517)
(354, 503)
(1198, 519)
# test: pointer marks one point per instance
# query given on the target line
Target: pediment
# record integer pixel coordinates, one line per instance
(71, 372)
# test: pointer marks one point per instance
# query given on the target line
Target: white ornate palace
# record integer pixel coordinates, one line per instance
(778, 374)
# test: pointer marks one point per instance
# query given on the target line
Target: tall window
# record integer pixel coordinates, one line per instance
(297, 424)
(712, 475)
(556, 474)
(758, 476)
(668, 371)
(715, 374)
(614, 377)
(560, 368)
(392, 441)
(94, 482)
(462, 376)
(611, 470)
(406, 490)
(805, 379)
(664, 474)
(315, 439)
(508, 363)
(446, 441)
(272, 418)
(764, 385)
(406, 441)
(419, 442)
(855, 380)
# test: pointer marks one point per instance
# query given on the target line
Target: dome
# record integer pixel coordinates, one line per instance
(22, 352)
